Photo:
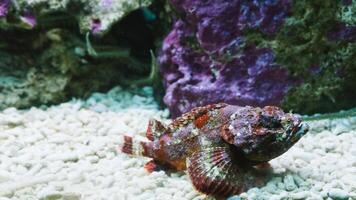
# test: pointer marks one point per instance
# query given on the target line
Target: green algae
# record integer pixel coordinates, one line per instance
(301, 45)
(347, 13)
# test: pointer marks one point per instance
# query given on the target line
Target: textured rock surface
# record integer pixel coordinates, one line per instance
(194, 79)
(260, 53)
(69, 151)
(53, 60)
(92, 15)
(54, 73)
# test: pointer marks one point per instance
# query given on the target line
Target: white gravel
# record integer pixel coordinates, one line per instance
(69, 152)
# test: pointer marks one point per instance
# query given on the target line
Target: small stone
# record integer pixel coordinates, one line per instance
(353, 195)
(300, 195)
(338, 194)
(324, 193)
(5, 176)
(234, 198)
(60, 196)
(299, 181)
(244, 195)
(318, 186)
(289, 183)
(271, 188)
(315, 196)
(93, 159)
(282, 195)
(20, 170)
(340, 128)
(281, 186)
(66, 157)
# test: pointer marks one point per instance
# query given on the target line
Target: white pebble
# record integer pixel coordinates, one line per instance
(289, 183)
(300, 195)
(5, 176)
(338, 194)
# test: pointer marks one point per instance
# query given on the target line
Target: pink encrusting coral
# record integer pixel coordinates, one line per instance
(4, 7)
(29, 19)
(96, 26)
(219, 145)
(106, 4)
(26, 17)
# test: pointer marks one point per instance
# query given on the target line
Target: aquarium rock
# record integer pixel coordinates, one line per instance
(194, 78)
(46, 58)
(259, 53)
(53, 76)
(96, 16)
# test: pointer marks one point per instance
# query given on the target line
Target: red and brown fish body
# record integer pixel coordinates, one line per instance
(219, 144)
(173, 144)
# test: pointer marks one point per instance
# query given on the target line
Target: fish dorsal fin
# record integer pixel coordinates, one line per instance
(155, 129)
(213, 171)
(199, 113)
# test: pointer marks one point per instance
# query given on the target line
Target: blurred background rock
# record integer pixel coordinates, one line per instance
(51, 51)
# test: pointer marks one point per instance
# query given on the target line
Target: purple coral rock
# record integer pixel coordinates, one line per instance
(193, 78)
(4, 7)
(219, 22)
(29, 19)
(96, 26)
(347, 2)
(106, 4)
(342, 32)
(205, 58)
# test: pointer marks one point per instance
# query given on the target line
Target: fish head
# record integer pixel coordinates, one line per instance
(262, 134)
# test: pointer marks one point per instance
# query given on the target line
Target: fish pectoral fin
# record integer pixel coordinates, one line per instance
(156, 165)
(155, 129)
(153, 166)
(212, 171)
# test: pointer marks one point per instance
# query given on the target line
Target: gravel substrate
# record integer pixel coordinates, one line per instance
(69, 151)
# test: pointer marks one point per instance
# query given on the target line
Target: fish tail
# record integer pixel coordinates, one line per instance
(136, 147)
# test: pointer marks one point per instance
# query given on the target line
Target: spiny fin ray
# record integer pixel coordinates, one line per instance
(155, 129)
(213, 171)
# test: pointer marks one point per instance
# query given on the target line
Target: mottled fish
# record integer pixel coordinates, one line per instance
(219, 145)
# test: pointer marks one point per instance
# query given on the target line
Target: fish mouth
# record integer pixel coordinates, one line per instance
(297, 132)
(301, 130)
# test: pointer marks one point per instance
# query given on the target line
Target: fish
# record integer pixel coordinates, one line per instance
(221, 146)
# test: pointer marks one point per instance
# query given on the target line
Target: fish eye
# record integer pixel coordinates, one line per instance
(269, 121)
(286, 121)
